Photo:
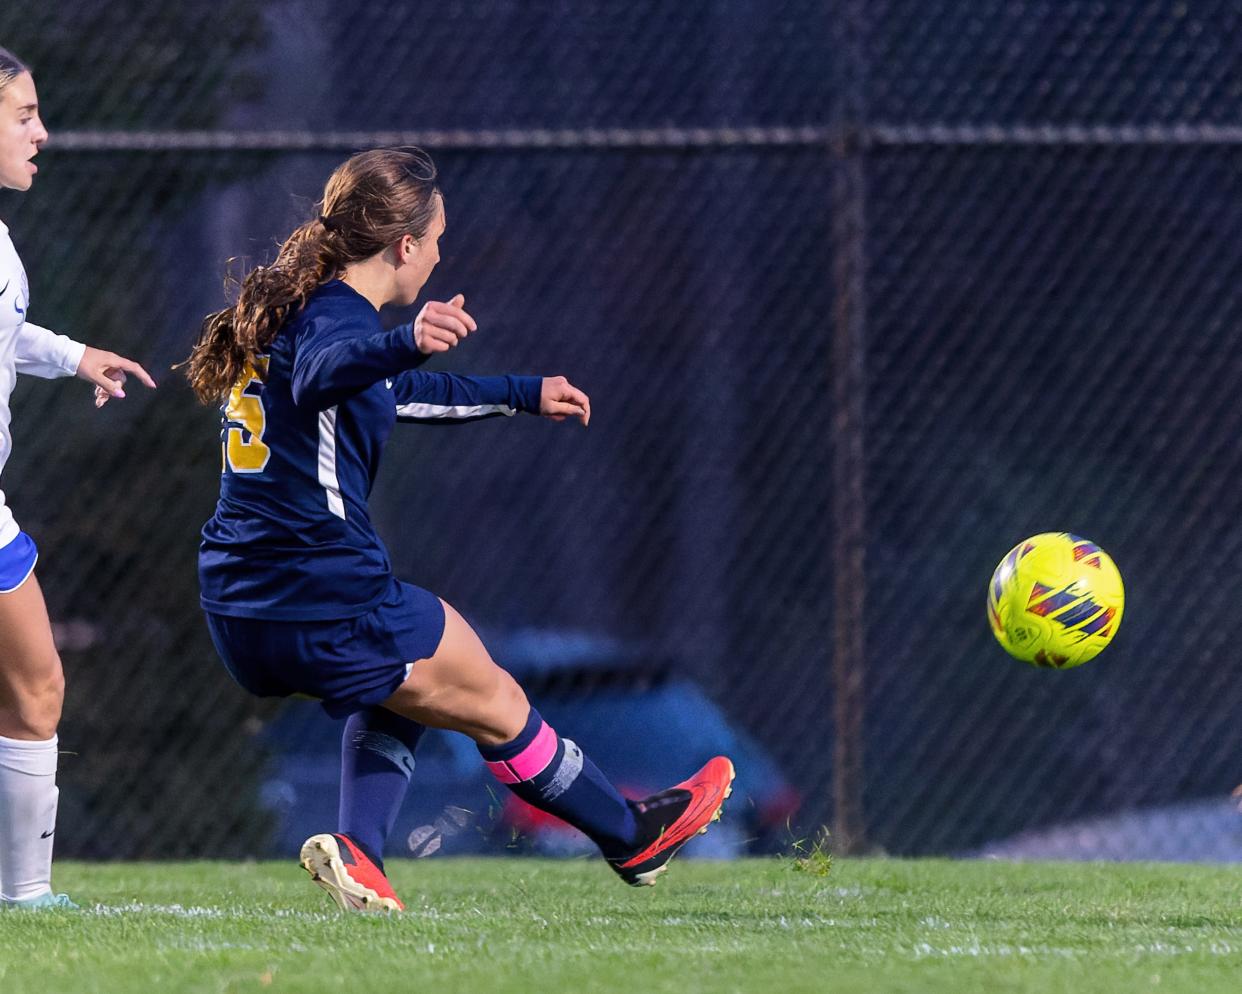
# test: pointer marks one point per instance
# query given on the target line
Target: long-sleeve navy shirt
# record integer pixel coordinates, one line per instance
(302, 435)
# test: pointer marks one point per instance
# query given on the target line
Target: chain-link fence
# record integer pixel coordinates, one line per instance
(862, 294)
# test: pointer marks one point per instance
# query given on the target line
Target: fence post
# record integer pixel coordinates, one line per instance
(848, 376)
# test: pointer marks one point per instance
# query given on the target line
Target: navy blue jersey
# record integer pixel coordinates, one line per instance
(302, 436)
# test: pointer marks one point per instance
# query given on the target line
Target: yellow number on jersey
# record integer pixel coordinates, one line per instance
(244, 450)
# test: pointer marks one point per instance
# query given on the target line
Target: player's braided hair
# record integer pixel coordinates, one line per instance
(370, 201)
(10, 67)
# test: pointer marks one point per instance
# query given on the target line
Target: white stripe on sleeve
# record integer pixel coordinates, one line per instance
(461, 411)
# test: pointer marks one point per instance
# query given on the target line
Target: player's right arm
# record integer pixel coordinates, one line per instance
(333, 361)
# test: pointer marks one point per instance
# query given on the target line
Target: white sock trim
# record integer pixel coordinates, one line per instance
(35, 758)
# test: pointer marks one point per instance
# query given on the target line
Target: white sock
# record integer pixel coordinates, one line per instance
(28, 797)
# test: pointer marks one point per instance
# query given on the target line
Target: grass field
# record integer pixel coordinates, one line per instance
(532, 926)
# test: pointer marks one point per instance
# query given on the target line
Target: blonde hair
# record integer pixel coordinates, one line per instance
(369, 202)
(10, 68)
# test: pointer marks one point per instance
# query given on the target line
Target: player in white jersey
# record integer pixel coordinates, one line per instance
(31, 681)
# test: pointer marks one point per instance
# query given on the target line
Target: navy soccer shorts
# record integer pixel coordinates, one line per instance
(347, 664)
(17, 562)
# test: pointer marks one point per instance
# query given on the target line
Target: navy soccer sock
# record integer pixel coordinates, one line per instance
(553, 775)
(377, 761)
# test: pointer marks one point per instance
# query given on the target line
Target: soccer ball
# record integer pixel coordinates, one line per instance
(1055, 600)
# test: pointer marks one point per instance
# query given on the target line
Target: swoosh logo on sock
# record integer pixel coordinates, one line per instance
(48, 835)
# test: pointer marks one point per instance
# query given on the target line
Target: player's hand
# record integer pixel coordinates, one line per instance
(439, 326)
(108, 371)
(559, 399)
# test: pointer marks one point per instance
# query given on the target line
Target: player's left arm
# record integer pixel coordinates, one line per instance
(446, 398)
(41, 352)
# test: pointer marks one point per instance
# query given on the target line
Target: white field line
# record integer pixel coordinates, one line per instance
(191, 911)
(983, 950)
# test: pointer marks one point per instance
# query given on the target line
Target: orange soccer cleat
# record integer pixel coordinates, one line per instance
(345, 872)
(671, 818)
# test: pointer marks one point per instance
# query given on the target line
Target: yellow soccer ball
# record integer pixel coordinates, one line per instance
(1055, 600)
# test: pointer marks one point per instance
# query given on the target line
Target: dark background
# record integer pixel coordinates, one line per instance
(1050, 206)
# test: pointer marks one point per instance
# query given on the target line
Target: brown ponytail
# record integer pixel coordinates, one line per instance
(370, 201)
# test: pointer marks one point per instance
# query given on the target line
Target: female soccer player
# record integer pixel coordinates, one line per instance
(32, 685)
(297, 586)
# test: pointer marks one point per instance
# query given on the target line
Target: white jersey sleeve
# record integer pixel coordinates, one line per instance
(40, 352)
